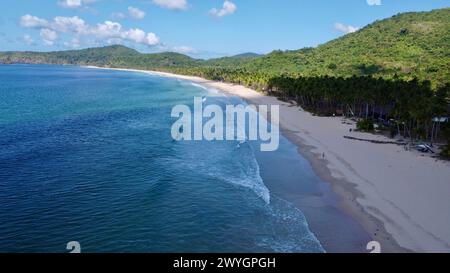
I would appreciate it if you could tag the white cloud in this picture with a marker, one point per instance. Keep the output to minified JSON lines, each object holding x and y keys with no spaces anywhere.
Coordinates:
{"x":345,"y":28}
{"x":374,"y":2}
{"x":152,"y":39}
{"x":75,"y":4}
{"x":28,"y":40}
{"x":113,"y":30}
{"x":78,"y":27}
{"x":171,"y":4}
{"x":140,"y":37}
{"x":48,"y":36}
{"x":133,"y":13}
{"x":136,"y":13}
{"x":32,"y":21}
{"x":70,"y":24}
{"x":70,"y":4}
{"x":227,"y":9}
{"x":107,"y":29}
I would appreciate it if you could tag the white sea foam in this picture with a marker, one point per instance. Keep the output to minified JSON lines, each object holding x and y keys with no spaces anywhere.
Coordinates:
{"x":296,"y":237}
{"x":253,"y":180}
{"x":198,"y":85}
{"x":251,"y":170}
{"x":211,"y":91}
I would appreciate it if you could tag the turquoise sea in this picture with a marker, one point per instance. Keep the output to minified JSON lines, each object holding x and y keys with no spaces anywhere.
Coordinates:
{"x":87,"y":155}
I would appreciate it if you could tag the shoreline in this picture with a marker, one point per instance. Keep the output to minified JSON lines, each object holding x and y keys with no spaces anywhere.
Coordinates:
{"x":379,"y":185}
{"x":347,"y":194}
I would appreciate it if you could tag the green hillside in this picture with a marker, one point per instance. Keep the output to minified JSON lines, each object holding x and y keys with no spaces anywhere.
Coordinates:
{"x":409,"y":45}
{"x":116,"y":55}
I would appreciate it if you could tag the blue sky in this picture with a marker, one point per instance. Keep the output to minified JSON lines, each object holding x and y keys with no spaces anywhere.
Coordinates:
{"x":200,"y":28}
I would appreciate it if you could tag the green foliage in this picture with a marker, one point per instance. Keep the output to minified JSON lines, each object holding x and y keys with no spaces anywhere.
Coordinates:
{"x":411,"y":104}
{"x":332,"y":66}
{"x":409,"y":45}
{"x":365,"y":125}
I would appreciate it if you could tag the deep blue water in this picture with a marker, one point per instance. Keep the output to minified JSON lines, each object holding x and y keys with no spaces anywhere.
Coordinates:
{"x":87,"y":155}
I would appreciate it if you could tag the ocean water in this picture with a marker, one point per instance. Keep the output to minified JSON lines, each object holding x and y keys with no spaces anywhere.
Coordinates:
{"x":86,"y":155}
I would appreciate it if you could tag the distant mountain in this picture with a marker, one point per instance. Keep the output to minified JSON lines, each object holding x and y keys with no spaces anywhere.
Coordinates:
{"x":115,"y":55}
{"x":246,"y":55}
{"x":99,"y":55}
{"x":408,"y":45}
{"x":232,"y":61}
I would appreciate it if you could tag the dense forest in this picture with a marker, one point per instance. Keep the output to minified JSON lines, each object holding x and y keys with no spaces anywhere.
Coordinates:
{"x":395,"y":72}
{"x":404,"y":107}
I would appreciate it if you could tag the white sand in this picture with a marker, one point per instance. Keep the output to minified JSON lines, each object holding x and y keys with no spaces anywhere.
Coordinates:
{"x":409,"y":193}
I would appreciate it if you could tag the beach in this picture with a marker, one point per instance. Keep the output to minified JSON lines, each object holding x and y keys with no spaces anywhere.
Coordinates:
{"x":400,"y":197}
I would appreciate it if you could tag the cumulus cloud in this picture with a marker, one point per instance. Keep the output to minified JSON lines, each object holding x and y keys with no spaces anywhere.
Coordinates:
{"x":228,"y":8}
{"x":374,"y":2}
{"x":74,"y":4}
{"x":171,"y":4}
{"x":48,"y":36}
{"x":32,"y":21}
{"x":28,"y":40}
{"x":70,"y":4}
{"x":139,"y":36}
{"x":113,"y":30}
{"x":70,"y":25}
{"x":345,"y":28}
{"x":78,"y":27}
{"x":133,"y":13}
{"x":136,"y":13}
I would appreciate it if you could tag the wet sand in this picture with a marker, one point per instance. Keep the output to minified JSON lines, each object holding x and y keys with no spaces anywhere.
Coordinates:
{"x":289,"y":176}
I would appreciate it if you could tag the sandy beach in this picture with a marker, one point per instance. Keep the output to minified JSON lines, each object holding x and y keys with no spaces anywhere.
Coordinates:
{"x":400,"y":197}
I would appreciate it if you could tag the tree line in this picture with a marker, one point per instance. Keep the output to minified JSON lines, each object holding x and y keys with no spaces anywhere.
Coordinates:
{"x":405,"y":107}
{"x":411,"y":107}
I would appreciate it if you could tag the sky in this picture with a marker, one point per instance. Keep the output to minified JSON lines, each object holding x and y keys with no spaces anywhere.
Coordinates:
{"x":199,"y":28}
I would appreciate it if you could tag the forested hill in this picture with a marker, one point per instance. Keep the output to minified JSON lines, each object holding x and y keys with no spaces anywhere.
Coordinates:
{"x":409,"y":45}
